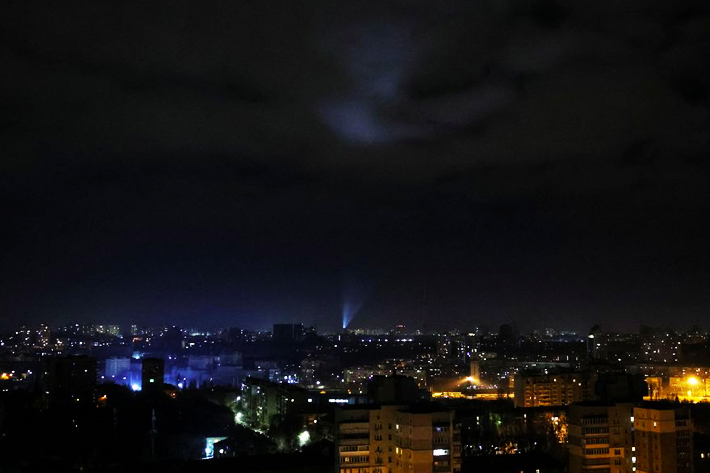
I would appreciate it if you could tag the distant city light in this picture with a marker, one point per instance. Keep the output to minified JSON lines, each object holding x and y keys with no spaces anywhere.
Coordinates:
{"x":135,"y":387}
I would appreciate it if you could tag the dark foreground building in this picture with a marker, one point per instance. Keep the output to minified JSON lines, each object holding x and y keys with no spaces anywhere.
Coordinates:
{"x":71,"y":380}
{"x":152,"y":374}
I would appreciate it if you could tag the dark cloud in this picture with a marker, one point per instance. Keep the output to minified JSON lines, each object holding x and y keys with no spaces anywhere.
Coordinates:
{"x":469,"y":161}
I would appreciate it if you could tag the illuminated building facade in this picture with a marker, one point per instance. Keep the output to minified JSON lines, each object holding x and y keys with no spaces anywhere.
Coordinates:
{"x":553,"y":389}
{"x":396,"y":439}
{"x":688,"y":388}
{"x":117,"y":367}
{"x":664,"y":439}
{"x":686,"y":384}
{"x":600,"y":438}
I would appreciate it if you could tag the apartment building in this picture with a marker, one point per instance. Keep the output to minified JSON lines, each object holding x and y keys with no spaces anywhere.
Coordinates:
{"x":619,"y":438}
{"x":396,"y":439}
{"x":553,"y":389}
{"x":265,"y":403}
{"x":664,"y":439}
{"x":601,"y":438}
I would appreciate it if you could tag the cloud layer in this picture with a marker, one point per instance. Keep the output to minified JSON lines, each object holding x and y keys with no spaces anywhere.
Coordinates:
{"x":506,"y":158}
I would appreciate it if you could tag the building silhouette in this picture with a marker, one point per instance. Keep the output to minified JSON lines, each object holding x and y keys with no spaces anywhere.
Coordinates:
{"x":152,"y":374}
{"x":71,"y":380}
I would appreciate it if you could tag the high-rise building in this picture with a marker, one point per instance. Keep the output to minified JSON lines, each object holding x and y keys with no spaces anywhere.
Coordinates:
{"x":288,"y":332}
{"x":664,"y":439}
{"x":600,"y":438}
{"x":396,"y":439}
{"x":117,"y":367}
{"x":152,"y":373}
{"x":619,"y":438}
{"x":426,"y":440}
{"x":393,"y":389}
{"x":266,"y":403}
{"x":363,"y":440}
{"x":508,"y":340}
{"x":597,"y":343}
{"x":444,"y":345}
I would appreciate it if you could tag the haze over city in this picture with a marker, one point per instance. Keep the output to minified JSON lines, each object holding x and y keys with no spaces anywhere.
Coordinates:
{"x":445,"y":166}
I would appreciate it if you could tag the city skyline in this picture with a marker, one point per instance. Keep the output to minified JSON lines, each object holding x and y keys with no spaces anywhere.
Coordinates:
{"x":402,"y":236}
{"x":123,"y":329}
{"x":356,"y":399}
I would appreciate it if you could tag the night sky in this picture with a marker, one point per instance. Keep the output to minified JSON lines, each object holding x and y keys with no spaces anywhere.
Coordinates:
{"x":443,"y":164}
